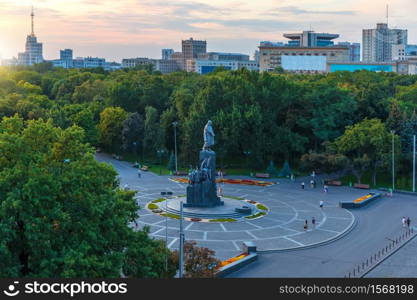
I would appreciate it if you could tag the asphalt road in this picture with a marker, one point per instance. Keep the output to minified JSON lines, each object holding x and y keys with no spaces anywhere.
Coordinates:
{"x":376,"y":222}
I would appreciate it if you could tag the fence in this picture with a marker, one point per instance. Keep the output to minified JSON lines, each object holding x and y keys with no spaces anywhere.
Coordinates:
{"x":363,"y":268}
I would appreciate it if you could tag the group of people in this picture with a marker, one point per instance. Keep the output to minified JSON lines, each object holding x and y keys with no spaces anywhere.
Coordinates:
{"x":406,"y":222}
{"x":313,"y":223}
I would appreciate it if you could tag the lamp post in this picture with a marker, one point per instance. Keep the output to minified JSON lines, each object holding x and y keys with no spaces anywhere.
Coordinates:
{"x":160,"y":153}
{"x":247,"y":153}
{"x":414,"y":163}
{"x":181,"y":260}
{"x":175,"y":124}
{"x":393,"y":161}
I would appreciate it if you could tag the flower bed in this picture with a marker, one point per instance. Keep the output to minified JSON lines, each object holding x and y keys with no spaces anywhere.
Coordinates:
{"x":231,"y":181}
{"x":359,"y":200}
{"x":232,"y":260}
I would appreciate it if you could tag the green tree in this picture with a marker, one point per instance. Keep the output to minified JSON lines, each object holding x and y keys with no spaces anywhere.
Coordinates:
{"x":110,"y":127}
{"x":132,"y":132}
{"x":367,"y":145}
{"x":61,"y":211}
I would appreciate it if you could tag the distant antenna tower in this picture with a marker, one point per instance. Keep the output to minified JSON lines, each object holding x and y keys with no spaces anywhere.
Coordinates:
{"x":387,"y":13}
{"x":32,"y":15}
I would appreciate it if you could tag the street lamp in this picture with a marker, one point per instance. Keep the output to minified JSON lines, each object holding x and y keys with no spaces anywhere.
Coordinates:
{"x":175,"y":124}
{"x":247,"y":153}
{"x":167,"y":195}
{"x":414,"y":163}
{"x":393,"y":161}
{"x":160,"y":153}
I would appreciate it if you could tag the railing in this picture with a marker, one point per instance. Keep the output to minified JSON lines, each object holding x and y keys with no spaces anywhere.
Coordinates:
{"x":363,"y":268}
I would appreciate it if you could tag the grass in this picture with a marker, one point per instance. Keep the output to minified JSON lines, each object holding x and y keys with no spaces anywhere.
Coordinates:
{"x":169,"y":215}
{"x":261,"y":207}
{"x":152,"y":206}
{"x":259,"y":214}
{"x":158,"y":200}
{"x":234,"y":197}
{"x":223,"y":220}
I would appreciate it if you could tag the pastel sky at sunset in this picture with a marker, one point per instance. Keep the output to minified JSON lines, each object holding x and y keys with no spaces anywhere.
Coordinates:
{"x":115,"y":29}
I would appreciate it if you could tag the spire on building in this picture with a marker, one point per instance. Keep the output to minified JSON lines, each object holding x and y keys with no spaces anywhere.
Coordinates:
{"x":32,"y":15}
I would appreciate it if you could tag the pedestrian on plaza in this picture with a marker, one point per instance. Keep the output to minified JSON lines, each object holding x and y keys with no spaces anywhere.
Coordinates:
{"x":126,"y":187}
{"x":312,"y":183}
{"x":325,"y":188}
{"x":292,"y":177}
{"x":313,"y":222}
{"x":302,"y":185}
{"x":321,"y":204}
{"x":313,"y":174}
{"x":139,"y":174}
{"x":408,"y":221}
{"x":404,"y":221}
{"x":305,"y":225}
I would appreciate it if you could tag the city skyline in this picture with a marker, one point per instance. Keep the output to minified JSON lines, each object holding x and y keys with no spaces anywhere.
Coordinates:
{"x":131,"y":28}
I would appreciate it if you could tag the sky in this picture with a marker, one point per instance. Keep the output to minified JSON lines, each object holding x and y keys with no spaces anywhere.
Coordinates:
{"x":116,"y":29}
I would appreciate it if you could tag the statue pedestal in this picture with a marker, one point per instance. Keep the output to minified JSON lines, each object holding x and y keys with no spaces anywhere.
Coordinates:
{"x":202,"y":190}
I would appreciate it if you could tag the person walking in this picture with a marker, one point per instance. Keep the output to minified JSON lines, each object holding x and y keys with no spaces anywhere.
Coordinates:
{"x":302,"y":185}
{"x":321,"y":204}
{"x":312,"y":183}
{"x":325,"y":188}
{"x":139,"y":174}
{"x":313,"y":222}
{"x":305,"y":225}
{"x":404,"y":221}
{"x":408,"y":221}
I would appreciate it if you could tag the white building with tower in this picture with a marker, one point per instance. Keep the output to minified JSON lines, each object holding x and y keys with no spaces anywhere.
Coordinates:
{"x":33,"y":50}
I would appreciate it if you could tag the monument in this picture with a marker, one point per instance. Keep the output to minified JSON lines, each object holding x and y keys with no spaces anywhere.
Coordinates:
{"x":202,"y":188}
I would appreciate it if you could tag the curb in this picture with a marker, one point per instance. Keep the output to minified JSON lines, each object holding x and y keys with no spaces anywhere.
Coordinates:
{"x":328,"y":241}
{"x":387,"y":256}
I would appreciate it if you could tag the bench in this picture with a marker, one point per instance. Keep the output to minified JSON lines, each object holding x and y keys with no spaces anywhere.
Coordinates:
{"x":361,"y":186}
{"x":333,"y":182}
{"x":262,"y":175}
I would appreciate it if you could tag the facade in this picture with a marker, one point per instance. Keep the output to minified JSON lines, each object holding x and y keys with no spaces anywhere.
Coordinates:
{"x":310,"y":39}
{"x":94,"y":62}
{"x":352,"y":67}
{"x":304,"y":64}
{"x":66,"y":57}
{"x":33,"y":50}
{"x":270,"y":57}
{"x":138,"y":61}
{"x":166,"y":66}
{"x":167,"y":53}
{"x":354,"y":50}
{"x":377,"y":43}
{"x":223,"y":56}
{"x":404,"y":52}
{"x":202,"y":66}
{"x":179,"y":58}
{"x":191,"y":49}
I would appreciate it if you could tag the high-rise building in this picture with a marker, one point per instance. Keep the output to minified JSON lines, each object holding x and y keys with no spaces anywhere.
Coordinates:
{"x":310,"y":39}
{"x":354,"y":50}
{"x":167,"y":53}
{"x":66,"y":56}
{"x":192,"y":48}
{"x":377,"y":43}
{"x":404,"y":52}
{"x":33,"y":50}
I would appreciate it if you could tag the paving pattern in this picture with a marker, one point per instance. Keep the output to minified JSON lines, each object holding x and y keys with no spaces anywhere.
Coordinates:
{"x":281,"y":229}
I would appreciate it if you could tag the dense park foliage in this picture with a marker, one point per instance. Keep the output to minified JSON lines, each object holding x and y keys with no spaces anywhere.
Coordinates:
{"x":326,"y":122}
{"x":62,"y":213}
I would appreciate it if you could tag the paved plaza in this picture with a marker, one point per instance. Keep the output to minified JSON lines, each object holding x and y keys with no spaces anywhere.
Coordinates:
{"x":342,"y":238}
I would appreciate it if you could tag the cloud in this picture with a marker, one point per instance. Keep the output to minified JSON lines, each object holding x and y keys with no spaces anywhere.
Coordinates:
{"x":294,"y":10}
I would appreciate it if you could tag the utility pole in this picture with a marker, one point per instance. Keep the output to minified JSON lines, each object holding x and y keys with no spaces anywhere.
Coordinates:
{"x":175,"y":142}
{"x":414,"y":163}
{"x":181,"y":271}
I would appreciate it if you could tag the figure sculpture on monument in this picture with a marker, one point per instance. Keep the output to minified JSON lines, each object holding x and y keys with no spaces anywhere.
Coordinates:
{"x":202,"y":189}
{"x":208,"y":136}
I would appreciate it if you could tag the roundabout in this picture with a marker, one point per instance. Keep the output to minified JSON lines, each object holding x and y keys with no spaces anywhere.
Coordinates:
{"x":233,"y":210}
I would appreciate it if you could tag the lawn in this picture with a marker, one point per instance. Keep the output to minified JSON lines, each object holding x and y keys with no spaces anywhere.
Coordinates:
{"x":383,"y":180}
